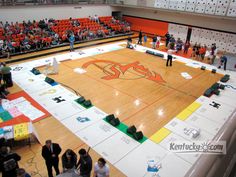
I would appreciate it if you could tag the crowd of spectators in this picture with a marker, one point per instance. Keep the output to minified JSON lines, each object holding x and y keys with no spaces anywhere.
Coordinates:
{"x":72,"y":164}
{"x":199,"y":52}
{"x":35,"y":35}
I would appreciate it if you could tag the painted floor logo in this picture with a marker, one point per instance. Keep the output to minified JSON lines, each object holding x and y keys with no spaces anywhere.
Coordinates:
{"x":211,"y":147}
{"x":135,"y":70}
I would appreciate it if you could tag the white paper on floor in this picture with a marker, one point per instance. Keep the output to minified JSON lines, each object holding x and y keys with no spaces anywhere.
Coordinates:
{"x":79,"y":70}
{"x":186,"y":75}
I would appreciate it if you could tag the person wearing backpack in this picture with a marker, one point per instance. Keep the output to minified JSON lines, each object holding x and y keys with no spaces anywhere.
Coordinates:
{"x":8,"y":162}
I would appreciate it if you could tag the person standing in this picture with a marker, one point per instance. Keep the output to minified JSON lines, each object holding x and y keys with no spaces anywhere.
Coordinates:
{"x":84,"y":164}
{"x":69,"y":160}
{"x":169,"y":57}
{"x":140,"y":36}
{"x":158,"y":42}
{"x":186,"y":47}
{"x":167,"y":36}
{"x":223,"y":60}
{"x":72,"y":41}
{"x":8,"y":162}
{"x":213,"y":52}
{"x":101,"y":169}
{"x":172,"y":42}
{"x":145,"y":39}
{"x":154,"y":40}
{"x":50,"y":152}
{"x":6,"y":75}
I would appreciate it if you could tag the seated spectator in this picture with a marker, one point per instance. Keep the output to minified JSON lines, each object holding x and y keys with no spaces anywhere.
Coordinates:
{"x":26,"y":43}
{"x":5,"y":50}
{"x":10,"y":47}
{"x":90,"y":35}
{"x":100,"y":33}
{"x":69,"y":160}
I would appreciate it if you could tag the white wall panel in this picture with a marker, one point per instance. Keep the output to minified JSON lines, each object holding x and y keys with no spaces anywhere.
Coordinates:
{"x":181,"y":5}
{"x":210,"y":6}
{"x":195,"y":35}
{"x":190,"y":5}
{"x":221,"y":7}
{"x":232,"y":9}
{"x":200,"y":6}
{"x":173,"y":4}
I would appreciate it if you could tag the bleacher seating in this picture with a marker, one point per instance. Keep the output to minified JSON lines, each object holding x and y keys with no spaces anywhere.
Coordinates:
{"x":27,"y":36}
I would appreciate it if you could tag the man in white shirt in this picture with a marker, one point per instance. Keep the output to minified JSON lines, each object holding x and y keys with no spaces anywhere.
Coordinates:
{"x":169,"y":57}
{"x":101,"y":169}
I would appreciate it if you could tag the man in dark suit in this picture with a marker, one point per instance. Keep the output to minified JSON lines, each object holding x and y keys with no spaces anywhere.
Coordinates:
{"x":50,"y":152}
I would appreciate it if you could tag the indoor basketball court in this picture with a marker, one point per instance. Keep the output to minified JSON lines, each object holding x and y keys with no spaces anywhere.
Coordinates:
{"x":123,"y":103}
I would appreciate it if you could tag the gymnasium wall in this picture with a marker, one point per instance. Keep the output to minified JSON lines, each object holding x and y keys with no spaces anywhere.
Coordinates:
{"x":13,"y":14}
{"x":212,"y":7}
{"x":148,"y":26}
{"x":215,"y":23}
{"x":224,"y":41}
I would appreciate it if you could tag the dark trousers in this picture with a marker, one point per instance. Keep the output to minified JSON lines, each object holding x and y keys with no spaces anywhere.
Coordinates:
{"x":169,"y":59}
{"x":87,"y":175}
{"x":185,"y":50}
{"x":7,"y":79}
{"x":225,"y":65}
{"x":53,"y":164}
{"x":140,"y":41}
{"x":167,"y":42}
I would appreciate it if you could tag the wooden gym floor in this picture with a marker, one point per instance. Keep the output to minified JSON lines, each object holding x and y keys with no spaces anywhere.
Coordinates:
{"x":132,"y":97}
